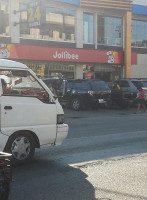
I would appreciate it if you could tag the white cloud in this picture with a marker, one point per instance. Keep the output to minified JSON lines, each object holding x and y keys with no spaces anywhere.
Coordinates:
{"x":140,"y":2}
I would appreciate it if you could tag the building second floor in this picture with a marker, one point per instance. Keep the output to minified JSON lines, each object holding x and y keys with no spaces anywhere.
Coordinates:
{"x":72,"y":24}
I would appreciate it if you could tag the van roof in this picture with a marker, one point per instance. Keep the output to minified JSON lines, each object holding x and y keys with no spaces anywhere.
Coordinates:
{"x":4,"y":63}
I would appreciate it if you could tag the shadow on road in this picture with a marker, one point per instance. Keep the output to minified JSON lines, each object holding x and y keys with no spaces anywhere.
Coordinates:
{"x":49,"y":180}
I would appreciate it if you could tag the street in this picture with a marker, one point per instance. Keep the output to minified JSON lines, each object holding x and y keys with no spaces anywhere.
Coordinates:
{"x":103,"y":158}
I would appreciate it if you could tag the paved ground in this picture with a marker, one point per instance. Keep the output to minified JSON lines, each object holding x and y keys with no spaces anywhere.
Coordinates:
{"x":103,"y":158}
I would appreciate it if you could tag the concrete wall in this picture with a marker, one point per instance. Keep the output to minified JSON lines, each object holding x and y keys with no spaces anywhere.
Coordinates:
{"x":140,"y":70}
{"x":14,"y":21}
{"x":79,"y":28}
{"x":79,"y":71}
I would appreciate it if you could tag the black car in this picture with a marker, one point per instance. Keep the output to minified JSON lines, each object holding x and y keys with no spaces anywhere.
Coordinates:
{"x":57,"y":84}
{"x":123,"y":92}
{"x":54,"y":84}
{"x":86,"y":93}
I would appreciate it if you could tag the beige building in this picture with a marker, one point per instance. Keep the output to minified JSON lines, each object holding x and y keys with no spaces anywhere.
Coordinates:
{"x":78,"y":38}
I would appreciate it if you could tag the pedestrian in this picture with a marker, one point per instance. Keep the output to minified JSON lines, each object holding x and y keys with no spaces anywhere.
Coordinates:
{"x":6,"y":90}
{"x":140,"y":100}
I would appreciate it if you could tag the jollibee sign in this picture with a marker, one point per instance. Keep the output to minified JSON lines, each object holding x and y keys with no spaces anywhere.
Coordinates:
{"x":26,"y":52}
{"x":65,"y":55}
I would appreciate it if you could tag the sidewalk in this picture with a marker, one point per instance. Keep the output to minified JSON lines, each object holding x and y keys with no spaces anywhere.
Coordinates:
{"x":119,"y":178}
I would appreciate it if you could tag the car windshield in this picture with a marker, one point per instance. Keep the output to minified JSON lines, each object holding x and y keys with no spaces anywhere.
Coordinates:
{"x":137,"y":83}
{"x":82,"y":85}
{"x":123,"y":83}
{"x":144,"y":84}
{"x":99,"y":85}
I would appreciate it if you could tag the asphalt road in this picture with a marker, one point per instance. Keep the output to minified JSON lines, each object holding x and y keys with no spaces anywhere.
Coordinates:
{"x":103,"y":158}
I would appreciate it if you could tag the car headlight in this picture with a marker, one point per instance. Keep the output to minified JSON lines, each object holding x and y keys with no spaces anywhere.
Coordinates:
{"x":60,"y":119}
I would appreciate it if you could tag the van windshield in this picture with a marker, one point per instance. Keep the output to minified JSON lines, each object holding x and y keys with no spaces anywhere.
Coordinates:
{"x":21,"y":82}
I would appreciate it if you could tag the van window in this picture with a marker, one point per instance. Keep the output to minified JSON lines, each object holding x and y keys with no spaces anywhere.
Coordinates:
{"x":22,"y":83}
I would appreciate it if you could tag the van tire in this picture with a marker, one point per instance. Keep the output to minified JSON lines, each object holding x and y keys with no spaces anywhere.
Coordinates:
{"x":76,"y":104}
{"x":22,"y":147}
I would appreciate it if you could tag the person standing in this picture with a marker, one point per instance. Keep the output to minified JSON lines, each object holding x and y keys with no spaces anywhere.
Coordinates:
{"x":141,"y":100}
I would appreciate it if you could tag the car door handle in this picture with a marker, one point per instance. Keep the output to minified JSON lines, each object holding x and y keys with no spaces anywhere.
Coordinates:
{"x":8,"y":107}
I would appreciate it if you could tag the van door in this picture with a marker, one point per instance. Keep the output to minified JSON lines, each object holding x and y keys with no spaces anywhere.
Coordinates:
{"x":25,"y":105}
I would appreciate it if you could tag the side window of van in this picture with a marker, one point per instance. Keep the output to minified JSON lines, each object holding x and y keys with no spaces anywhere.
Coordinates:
{"x":22,"y":83}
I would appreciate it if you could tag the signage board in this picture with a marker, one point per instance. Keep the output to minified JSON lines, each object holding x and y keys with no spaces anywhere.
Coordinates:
{"x":73,"y":2}
{"x":28,"y":52}
{"x":35,"y":14}
{"x":37,"y":68}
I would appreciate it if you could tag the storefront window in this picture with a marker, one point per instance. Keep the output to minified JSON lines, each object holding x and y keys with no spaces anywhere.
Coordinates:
{"x":88,"y":20}
{"x":109,"y":31}
{"x":107,"y":72}
{"x":139,"y":33}
{"x":58,"y":25}
{"x":4,"y":18}
{"x":67,"y":70}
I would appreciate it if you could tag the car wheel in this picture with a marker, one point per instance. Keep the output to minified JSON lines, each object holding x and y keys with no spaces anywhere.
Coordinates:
{"x":76,"y":104}
{"x":22,"y":147}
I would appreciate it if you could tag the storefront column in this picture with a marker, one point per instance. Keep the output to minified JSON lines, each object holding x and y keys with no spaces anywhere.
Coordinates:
{"x":128,"y":20}
{"x":14,"y":21}
{"x":79,"y":28}
{"x":79,"y":71}
{"x":95,"y":30}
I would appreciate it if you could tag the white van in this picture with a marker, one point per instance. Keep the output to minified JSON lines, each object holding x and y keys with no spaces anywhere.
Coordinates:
{"x":30,"y":116}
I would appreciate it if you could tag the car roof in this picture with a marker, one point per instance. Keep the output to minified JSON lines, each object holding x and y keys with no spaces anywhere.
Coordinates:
{"x":131,"y":79}
{"x":5,"y":63}
{"x":83,"y":80}
{"x":48,"y":79}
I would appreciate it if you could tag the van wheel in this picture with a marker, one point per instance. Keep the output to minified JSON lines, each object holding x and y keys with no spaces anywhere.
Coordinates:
{"x":22,"y":147}
{"x":76,"y":104}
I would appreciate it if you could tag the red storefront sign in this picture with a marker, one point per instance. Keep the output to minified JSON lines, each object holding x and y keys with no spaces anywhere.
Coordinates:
{"x":26,"y":52}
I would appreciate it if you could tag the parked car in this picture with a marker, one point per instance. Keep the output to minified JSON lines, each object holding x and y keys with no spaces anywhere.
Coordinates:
{"x":54,"y":84}
{"x":86,"y":93}
{"x":57,"y":84}
{"x":123,"y":92}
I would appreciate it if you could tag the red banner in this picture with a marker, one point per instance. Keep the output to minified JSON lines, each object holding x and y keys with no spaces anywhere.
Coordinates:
{"x":26,"y":52}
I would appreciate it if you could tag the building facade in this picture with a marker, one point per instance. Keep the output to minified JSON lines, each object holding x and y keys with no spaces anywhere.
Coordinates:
{"x":78,"y":38}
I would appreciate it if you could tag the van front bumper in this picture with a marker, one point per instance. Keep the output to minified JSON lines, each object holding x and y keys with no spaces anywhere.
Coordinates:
{"x":3,"y":141}
{"x":62,"y":132}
